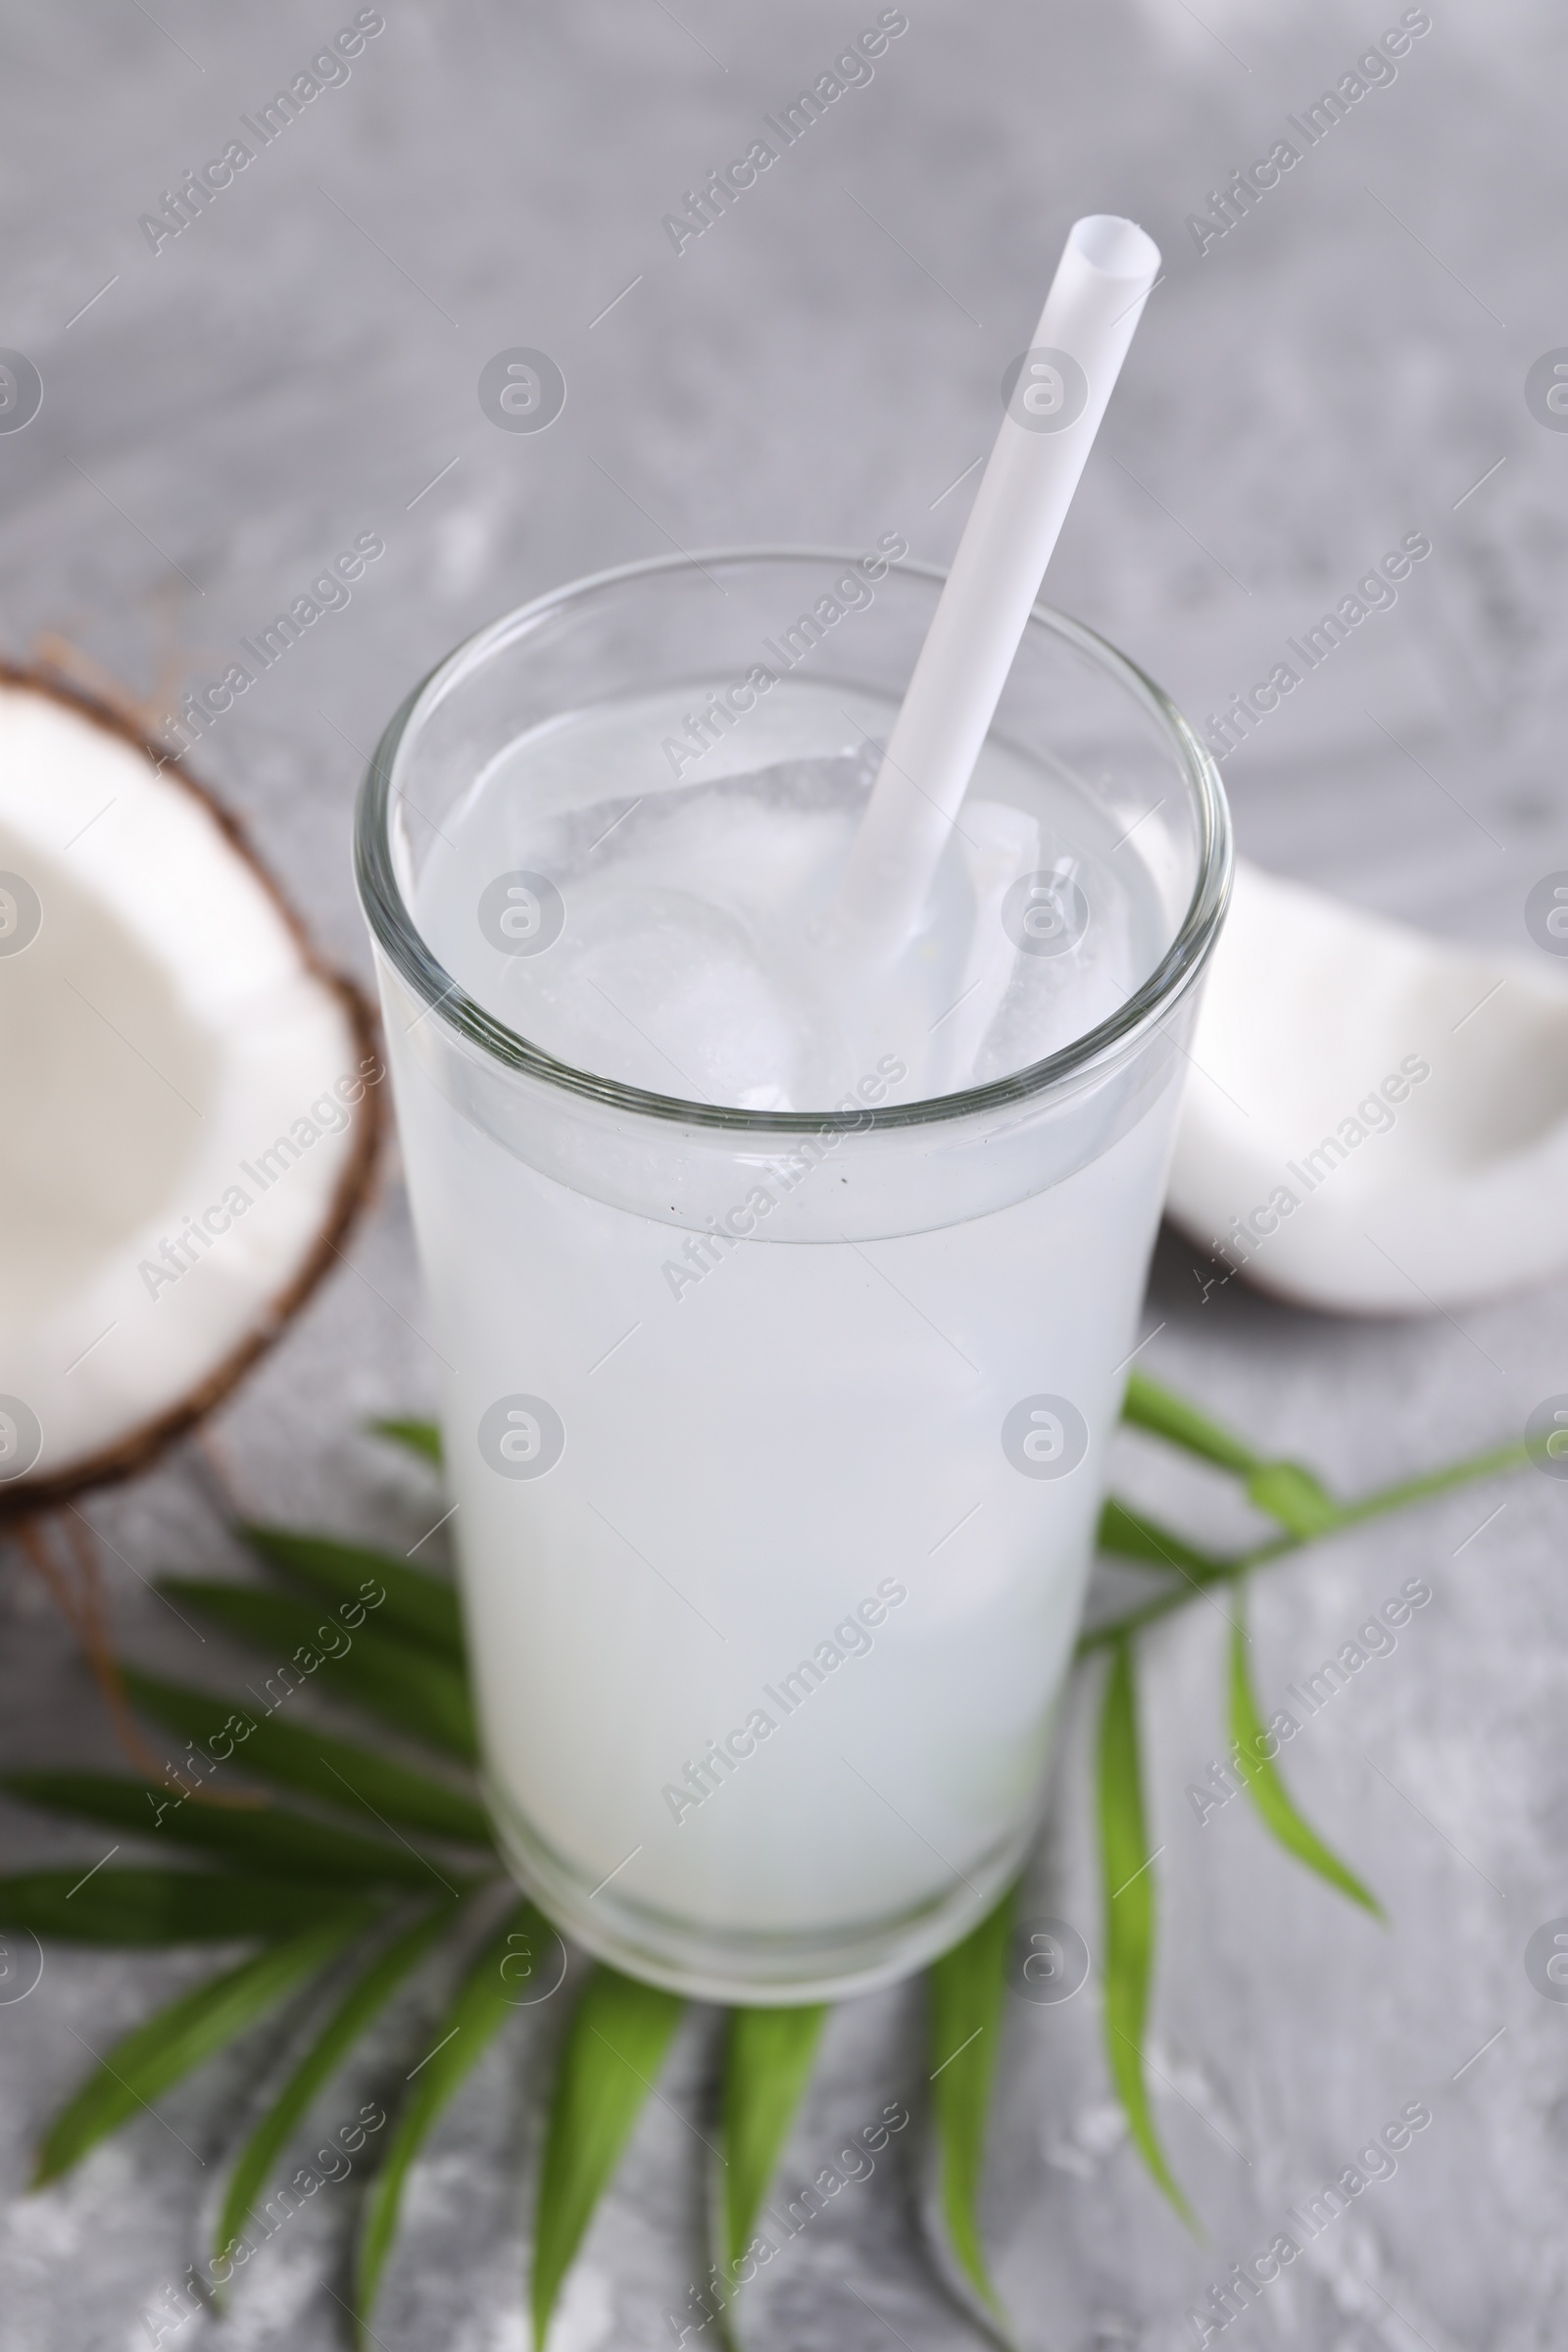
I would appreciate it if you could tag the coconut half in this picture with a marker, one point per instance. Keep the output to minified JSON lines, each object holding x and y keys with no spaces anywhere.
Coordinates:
{"x":1376,"y":1120}
{"x":192,"y":1098}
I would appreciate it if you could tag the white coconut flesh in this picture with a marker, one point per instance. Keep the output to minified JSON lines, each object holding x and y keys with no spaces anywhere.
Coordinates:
{"x":185,"y":1105}
{"x":1376,"y":1120}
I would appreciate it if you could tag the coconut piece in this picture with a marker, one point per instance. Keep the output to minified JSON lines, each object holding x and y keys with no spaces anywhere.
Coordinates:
{"x":1376,"y":1120}
{"x":192,"y":1098}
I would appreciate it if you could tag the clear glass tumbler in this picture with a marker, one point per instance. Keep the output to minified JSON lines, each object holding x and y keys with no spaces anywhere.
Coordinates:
{"x":772,"y":1566}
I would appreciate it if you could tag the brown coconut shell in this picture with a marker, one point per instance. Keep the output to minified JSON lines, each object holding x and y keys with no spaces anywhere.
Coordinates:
{"x":142,"y":1445}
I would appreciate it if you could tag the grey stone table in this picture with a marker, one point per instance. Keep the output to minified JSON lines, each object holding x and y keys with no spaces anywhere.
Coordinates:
{"x":1339,"y":363}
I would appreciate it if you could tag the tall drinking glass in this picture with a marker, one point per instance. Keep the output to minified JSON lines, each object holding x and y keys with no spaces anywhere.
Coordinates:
{"x":777,"y":1439}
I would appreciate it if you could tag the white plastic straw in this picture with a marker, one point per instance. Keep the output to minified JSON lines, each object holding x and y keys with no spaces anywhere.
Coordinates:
{"x":1096,"y":300}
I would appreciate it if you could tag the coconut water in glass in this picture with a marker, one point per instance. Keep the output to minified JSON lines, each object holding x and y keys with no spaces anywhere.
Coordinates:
{"x":787,"y":1309}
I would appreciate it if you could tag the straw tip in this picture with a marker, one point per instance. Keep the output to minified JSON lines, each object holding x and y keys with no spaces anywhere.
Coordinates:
{"x":1116,"y":247}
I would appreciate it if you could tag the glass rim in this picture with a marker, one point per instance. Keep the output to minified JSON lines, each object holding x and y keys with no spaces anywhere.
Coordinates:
{"x":396,"y":933}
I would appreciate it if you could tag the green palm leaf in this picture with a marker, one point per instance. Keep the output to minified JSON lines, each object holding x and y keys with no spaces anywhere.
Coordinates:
{"x":1287,"y":1491}
{"x":419,"y":1606}
{"x":286,"y":1844}
{"x":968,"y":1985}
{"x":477,"y":2012}
{"x":156,"y":2055}
{"x":405,"y":1662}
{"x":1133,"y":1536}
{"x":1296,"y":1496}
{"x":352,"y":2017}
{"x":356,"y":1779}
{"x":1269,"y":1793}
{"x":614,"y":2046}
{"x":1164,"y":1414}
{"x":1129,"y":1912}
{"x":417,"y":1693}
{"x":423,"y":1438}
{"x":156,"y":1907}
{"x":767,"y":2064}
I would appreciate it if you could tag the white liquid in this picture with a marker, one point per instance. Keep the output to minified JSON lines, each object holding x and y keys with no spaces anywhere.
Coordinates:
{"x":757,"y":1448}
{"x":692,"y":959}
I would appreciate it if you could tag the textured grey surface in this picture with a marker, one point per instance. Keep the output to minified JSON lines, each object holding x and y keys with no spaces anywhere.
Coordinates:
{"x":1338,"y":368}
